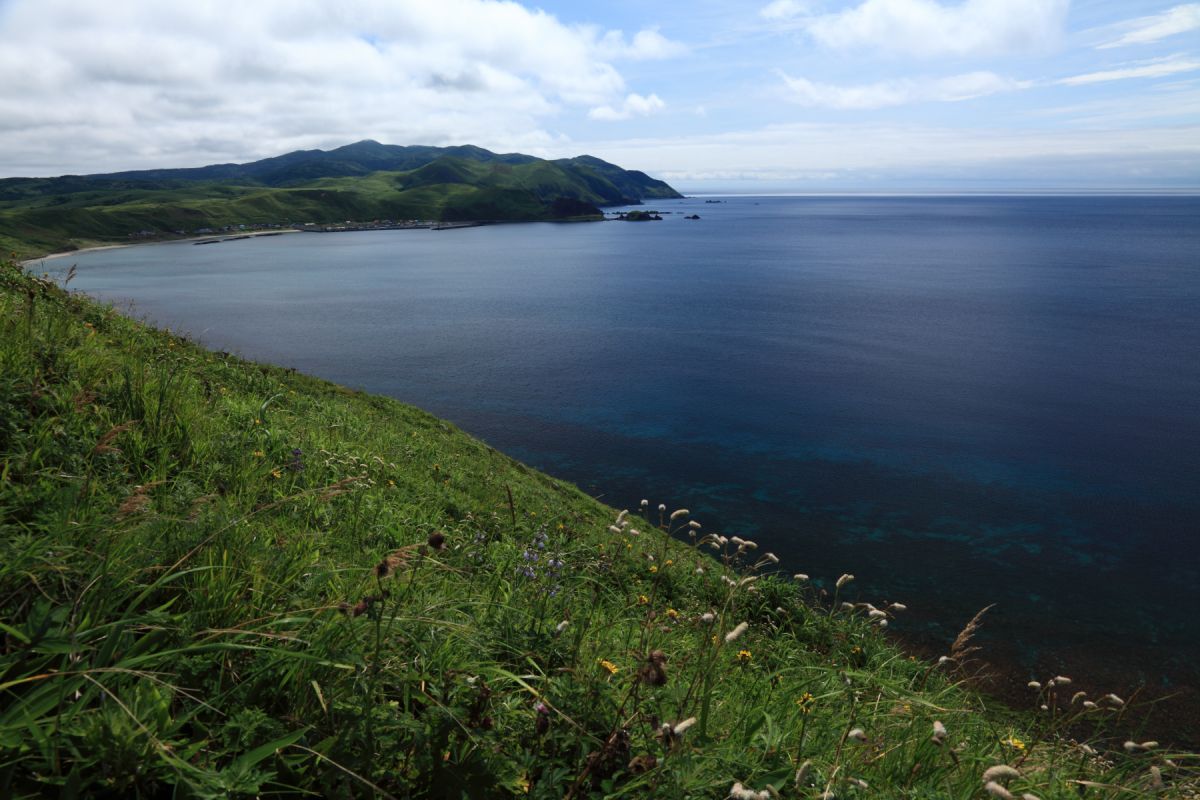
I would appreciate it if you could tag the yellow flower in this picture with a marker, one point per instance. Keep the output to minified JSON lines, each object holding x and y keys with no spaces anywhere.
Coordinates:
{"x":653,"y":568}
{"x":1014,"y":743}
{"x":608,"y":665}
{"x":672,"y":613}
{"x":668,"y":563}
{"x":259,"y":453}
{"x":744,"y":656}
{"x":806,"y":702}
{"x":258,"y":422}
{"x":276,"y":474}
{"x":561,"y":526}
{"x":643,"y":600}
{"x":714,"y":638}
{"x":391,"y":482}
{"x":629,"y":545}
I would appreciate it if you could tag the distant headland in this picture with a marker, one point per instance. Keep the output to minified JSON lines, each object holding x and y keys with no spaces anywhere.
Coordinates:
{"x":364,"y":184}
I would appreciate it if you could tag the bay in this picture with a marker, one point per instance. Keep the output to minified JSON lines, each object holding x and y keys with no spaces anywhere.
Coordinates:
{"x":961,"y":400}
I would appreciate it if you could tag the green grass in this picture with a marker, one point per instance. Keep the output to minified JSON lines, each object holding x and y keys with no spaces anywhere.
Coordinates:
{"x":225,"y":579}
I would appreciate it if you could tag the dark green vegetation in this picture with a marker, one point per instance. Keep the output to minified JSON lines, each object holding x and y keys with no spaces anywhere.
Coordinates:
{"x":224,"y":579}
{"x":362,"y":182}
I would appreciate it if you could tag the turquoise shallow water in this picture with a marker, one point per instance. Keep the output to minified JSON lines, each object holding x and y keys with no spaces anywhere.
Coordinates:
{"x":962,"y":400}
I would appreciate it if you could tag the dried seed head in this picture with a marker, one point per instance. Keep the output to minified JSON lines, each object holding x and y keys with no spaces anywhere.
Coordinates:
{"x":842,"y":581}
{"x":681,"y":512}
{"x":1089,"y":705}
{"x":613,"y":529}
{"x":800,"y":576}
{"x":802,"y":773}
{"x":622,"y":515}
{"x":680,"y":727}
{"x":1000,"y":772}
{"x":1112,"y":698}
{"x":1062,"y":680}
{"x":939,"y":732}
{"x":1078,"y":697}
{"x":942,"y":661}
{"x":1035,"y":685}
{"x":857,"y":735}
{"x":694,"y":525}
{"x":875,"y":613}
{"x":436,"y":540}
{"x":562,"y":626}
{"x":1156,"y":780}
{"x":736,"y":632}
{"x":996,"y":790}
{"x":707,"y":617}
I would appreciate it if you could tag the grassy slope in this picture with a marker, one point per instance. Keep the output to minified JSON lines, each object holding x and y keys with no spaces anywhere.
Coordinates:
{"x":191,"y":602}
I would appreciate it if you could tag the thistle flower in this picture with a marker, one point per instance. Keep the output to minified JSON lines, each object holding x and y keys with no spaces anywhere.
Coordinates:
{"x":741,"y":628}
{"x":857,"y":735}
{"x":842,"y":581}
{"x":996,"y":790}
{"x":1000,"y":772}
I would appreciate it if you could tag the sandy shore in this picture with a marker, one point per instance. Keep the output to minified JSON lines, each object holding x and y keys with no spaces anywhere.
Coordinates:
{"x":221,"y":237}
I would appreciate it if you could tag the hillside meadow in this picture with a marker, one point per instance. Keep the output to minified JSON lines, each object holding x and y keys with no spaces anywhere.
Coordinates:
{"x":226,"y":579}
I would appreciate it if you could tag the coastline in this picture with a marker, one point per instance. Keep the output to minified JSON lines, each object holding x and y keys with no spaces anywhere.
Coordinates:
{"x":222,"y":238}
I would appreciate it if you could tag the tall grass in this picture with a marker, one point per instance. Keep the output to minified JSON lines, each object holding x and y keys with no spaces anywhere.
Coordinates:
{"x":222,"y":579}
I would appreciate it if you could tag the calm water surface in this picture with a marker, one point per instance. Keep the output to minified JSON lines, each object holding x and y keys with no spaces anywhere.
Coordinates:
{"x":963,"y":401}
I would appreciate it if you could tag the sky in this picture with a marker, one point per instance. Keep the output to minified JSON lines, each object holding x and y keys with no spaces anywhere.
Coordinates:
{"x":767,"y":95}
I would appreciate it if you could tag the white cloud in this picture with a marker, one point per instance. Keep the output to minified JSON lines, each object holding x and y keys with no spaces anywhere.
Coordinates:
{"x":1157,"y":68}
{"x":1144,"y":30}
{"x":87,"y":87}
{"x":784,"y":9}
{"x":635,"y":105}
{"x":928,"y":28}
{"x":898,"y":92}
{"x":646,"y":45}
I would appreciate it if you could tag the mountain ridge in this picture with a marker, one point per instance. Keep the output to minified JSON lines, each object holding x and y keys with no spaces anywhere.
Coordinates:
{"x":361,"y":181}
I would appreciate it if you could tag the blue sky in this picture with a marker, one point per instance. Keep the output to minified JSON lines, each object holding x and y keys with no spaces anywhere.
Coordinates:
{"x":773,"y":95}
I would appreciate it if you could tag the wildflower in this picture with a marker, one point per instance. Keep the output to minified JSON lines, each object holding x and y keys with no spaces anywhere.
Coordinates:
{"x":608,"y":666}
{"x":945,"y":660}
{"x":680,"y":727}
{"x":668,"y":562}
{"x":694,"y":525}
{"x":897,"y":607}
{"x":1037,"y":687}
{"x":1014,"y":743}
{"x":276,"y":474}
{"x":562,"y":626}
{"x":939,"y":733}
{"x":736,"y":632}
{"x":662,"y":508}
{"x":1112,"y":698}
{"x":643,"y":600}
{"x":391,"y":482}
{"x":672,"y":614}
{"x":297,"y":462}
{"x":800,"y":576}
{"x":259,"y":454}
{"x":857,"y":735}
{"x":1000,"y":772}
{"x":1062,"y":681}
{"x":842,"y":581}
{"x":653,"y":568}
{"x":806,"y":702}
{"x":645,"y":503}
{"x":682,"y":512}
{"x":744,"y":656}
{"x":258,"y":422}
{"x":998,"y":791}
{"x":707,"y":617}
{"x":622,"y":515}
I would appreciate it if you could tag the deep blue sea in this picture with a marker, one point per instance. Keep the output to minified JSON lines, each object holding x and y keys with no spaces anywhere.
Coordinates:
{"x":961,"y":400}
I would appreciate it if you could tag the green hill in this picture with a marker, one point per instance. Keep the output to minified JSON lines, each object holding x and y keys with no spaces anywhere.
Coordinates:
{"x":222,"y":579}
{"x":364,"y":182}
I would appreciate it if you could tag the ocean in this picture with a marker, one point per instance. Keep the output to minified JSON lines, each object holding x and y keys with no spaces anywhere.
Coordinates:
{"x":963,"y":401}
